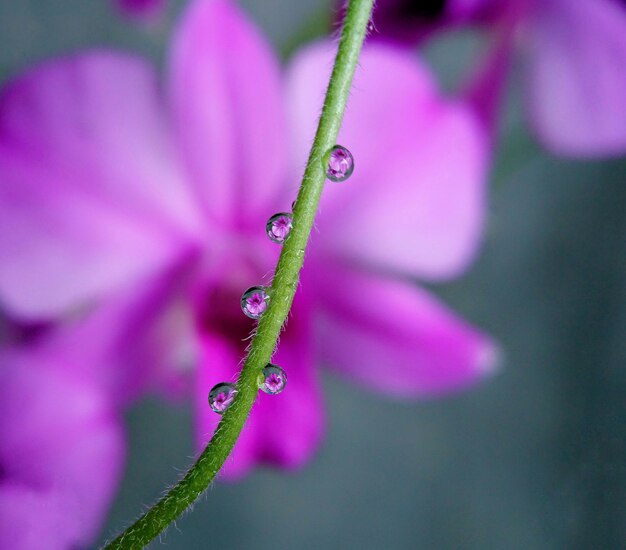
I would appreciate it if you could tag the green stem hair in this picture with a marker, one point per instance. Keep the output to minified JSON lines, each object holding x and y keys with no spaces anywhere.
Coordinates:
{"x":281,"y":293}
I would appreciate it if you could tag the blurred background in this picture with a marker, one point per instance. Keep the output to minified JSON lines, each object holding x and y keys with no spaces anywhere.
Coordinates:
{"x":534,"y":458}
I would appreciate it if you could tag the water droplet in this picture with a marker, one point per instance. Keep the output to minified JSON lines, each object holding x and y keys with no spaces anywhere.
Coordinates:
{"x":254,"y":301}
{"x":272,"y":379}
{"x":339,"y":164}
{"x":221,"y":397}
{"x":279,"y":226}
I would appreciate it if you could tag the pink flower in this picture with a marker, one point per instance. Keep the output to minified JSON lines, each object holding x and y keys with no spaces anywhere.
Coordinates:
{"x":573,"y":53}
{"x":61,"y":452}
{"x":144,"y":214}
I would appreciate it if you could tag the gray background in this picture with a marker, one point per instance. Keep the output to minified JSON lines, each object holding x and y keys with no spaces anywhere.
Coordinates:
{"x":533,"y":459}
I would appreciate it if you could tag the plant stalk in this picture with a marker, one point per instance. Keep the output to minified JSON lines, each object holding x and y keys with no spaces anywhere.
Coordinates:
{"x":281,"y":294}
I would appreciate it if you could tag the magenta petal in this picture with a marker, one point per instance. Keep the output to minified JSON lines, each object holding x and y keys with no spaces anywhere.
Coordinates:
{"x":577,"y":82}
{"x":409,"y":21}
{"x":139,"y":340}
{"x":416,"y":200}
{"x":61,"y":452}
{"x":226,"y":103}
{"x":143,"y":9}
{"x":487,"y":87}
{"x":282,"y":430}
{"x":90,"y":197}
{"x":34,"y":520}
{"x":395,"y":337}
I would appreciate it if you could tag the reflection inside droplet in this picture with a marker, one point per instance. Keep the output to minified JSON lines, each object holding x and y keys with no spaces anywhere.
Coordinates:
{"x":221,"y":397}
{"x":272,"y":379}
{"x":339,"y":164}
{"x":254,"y":301}
{"x":279,"y":226}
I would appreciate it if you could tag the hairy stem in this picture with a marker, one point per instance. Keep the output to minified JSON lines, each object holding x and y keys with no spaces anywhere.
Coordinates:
{"x":284,"y":285}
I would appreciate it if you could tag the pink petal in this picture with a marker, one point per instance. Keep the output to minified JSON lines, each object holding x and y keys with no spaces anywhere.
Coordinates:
{"x":415,"y":202}
{"x":90,"y":197}
{"x":142,"y":9}
{"x":61,"y":451}
{"x":282,"y":430}
{"x":577,"y":83}
{"x":139,"y":340}
{"x":487,"y":87}
{"x":34,"y":520}
{"x":395,"y":337}
{"x":226,"y":104}
{"x":409,"y":21}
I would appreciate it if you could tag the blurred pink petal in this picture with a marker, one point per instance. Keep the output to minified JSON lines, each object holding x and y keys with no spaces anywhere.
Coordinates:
{"x":395,"y":337}
{"x":61,"y":451}
{"x":34,"y":520}
{"x":138,"y":340}
{"x":487,"y":86}
{"x":91,"y":197}
{"x":407,"y":21}
{"x":226,"y":103}
{"x":574,"y":52}
{"x":577,"y":78}
{"x":142,"y":9}
{"x":416,"y":200}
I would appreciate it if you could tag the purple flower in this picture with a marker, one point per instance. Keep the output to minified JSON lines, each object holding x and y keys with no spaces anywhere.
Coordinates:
{"x":61,"y":452}
{"x":146,"y":213}
{"x":573,"y":54}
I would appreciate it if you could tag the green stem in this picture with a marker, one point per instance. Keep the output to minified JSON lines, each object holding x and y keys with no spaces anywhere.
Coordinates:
{"x":281,"y":294}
